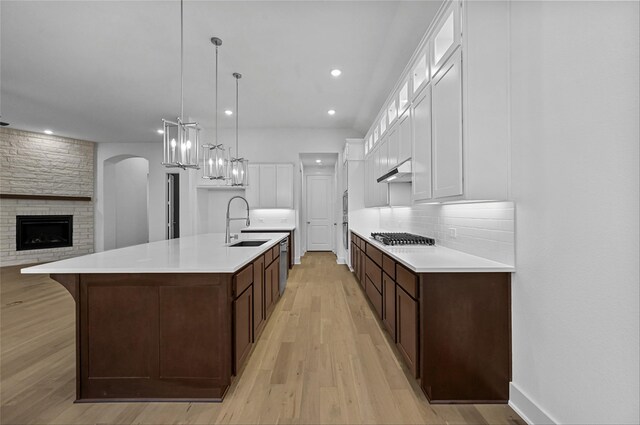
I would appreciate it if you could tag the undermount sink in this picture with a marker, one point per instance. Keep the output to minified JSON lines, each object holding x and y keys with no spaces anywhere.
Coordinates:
{"x":249,"y":243}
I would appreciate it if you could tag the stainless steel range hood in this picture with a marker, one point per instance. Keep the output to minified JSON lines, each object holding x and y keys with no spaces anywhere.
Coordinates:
{"x":398,"y":174}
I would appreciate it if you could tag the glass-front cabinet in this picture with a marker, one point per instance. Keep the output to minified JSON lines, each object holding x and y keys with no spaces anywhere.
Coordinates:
{"x":403,"y":98}
{"x":446,"y":37}
{"x":420,"y":74}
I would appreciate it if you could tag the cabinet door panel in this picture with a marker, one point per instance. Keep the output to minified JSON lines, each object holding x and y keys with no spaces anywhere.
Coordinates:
{"x":258,"y":296}
{"x":394,"y":146}
{"x":407,"y":329}
{"x":252,"y":192}
{"x":284,"y":188}
{"x":243,"y":327}
{"x":389,"y":304}
{"x":405,"y":138}
{"x":268,"y":294}
{"x":447,"y":129}
{"x":268,"y":182}
{"x":421,"y":161}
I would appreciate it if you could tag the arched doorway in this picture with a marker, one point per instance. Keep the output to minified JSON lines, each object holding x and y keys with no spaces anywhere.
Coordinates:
{"x":126,"y":195}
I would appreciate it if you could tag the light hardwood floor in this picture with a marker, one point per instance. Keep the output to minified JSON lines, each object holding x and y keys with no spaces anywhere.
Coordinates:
{"x":322,"y":358}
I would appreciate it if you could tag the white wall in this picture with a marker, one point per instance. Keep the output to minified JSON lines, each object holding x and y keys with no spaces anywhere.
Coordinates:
{"x":131,"y":182}
{"x":104,"y":208}
{"x":574,"y":83}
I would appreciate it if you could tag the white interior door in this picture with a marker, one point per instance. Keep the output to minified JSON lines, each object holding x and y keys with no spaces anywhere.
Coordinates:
{"x":319,"y":217}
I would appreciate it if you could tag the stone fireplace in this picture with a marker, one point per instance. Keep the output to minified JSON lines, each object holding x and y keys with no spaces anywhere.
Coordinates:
{"x":46,"y":197}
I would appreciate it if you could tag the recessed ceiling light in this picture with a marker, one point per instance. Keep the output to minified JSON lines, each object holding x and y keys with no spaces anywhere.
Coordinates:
{"x":331,"y":112}
{"x":318,"y":161}
{"x":336,"y":72}
{"x":160,"y":131}
{"x":228,"y":112}
{"x":48,"y":132}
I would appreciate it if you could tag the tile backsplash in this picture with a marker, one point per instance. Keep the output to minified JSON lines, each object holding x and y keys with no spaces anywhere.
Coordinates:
{"x":483,"y":229}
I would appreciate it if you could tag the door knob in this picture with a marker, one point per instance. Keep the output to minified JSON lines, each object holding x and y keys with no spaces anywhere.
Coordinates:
{"x":308,"y":222}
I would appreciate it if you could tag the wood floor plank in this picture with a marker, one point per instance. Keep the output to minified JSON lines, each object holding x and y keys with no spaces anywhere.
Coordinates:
{"x":322,"y":358}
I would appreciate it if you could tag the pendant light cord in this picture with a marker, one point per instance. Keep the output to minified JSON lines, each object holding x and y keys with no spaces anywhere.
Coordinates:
{"x":215,"y":142}
{"x":237,"y":117}
{"x":181,"y":62}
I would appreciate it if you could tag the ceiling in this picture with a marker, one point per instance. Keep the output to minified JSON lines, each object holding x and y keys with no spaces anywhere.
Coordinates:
{"x":326,"y":159}
{"x":108,"y":71}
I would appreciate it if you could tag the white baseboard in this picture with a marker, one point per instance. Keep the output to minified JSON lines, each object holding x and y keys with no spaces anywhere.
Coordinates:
{"x":340,"y":260}
{"x":528,"y":410}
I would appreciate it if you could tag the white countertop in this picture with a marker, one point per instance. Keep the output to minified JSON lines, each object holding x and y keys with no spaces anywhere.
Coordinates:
{"x":191,"y":254}
{"x":435,"y":259}
{"x":270,"y":227}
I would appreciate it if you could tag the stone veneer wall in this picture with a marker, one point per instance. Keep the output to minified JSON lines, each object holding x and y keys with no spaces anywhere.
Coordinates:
{"x":38,"y":164}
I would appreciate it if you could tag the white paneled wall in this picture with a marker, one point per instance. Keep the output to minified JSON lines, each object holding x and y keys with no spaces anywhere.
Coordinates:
{"x":482,"y":229}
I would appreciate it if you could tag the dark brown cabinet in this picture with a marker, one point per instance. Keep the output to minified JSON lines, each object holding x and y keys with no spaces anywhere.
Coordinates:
{"x":272,"y":289}
{"x":389,"y":304}
{"x":407,"y":328}
{"x":243,"y":327}
{"x":466,"y":337}
{"x":259,"y":314}
{"x":453,"y":330}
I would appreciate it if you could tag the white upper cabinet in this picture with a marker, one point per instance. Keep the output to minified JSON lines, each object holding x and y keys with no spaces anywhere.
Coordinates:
{"x":252,"y":192}
{"x":405,"y":138}
{"x":447,"y":129}
{"x":403,"y":98}
{"x":270,"y":186}
{"x":267,"y":186}
{"x":393,"y":142}
{"x":392,"y":112}
{"x":446,"y":37}
{"x":284,"y":185}
{"x":452,"y":109}
{"x":421,"y":159}
{"x":420,"y":73}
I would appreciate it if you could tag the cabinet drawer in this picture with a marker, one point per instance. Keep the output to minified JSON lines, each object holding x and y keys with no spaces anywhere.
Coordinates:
{"x":389,"y":266}
{"x":374,"y":296}
{"x":242,"y":280}
{"x":268,"y":257}
{"x":275,"y":251}
{"x":374,"y":253}
{"x":407,"y":280}
{"x":374,"y":273}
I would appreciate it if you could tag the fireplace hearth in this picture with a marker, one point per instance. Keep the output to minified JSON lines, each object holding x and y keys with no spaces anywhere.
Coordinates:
{"x":43,"y":231}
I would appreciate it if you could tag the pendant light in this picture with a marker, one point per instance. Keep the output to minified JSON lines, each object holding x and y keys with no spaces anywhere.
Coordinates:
{"x":215,"y":164}
{"x":181,"y":138}
{"x":239,"y":166}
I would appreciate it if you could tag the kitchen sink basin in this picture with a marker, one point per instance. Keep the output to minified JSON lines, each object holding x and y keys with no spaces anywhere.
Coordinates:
{"x":248,"y":243}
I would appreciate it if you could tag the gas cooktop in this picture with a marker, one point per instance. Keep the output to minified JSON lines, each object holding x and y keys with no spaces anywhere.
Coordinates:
{"x":402,"y":239}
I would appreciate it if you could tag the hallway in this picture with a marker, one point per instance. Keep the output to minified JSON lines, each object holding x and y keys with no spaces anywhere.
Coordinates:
{"x":322,"y":358}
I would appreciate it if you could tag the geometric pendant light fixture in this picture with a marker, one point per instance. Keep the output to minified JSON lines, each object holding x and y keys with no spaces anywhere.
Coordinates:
{"x":239,"y":167}
{"x":181,"y":144}
{"x":215,"y":164}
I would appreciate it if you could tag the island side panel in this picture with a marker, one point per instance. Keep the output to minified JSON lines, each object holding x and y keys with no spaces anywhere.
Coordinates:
{"x":71,"y":282}
{"x":155,"y":336}
{"x":465,"y":337}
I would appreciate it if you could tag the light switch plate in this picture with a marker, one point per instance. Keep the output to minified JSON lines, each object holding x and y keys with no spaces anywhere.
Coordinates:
{"x":452,"y":232}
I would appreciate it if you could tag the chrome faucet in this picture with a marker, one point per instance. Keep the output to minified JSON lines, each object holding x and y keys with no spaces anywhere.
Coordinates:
{"x":227,"y":236}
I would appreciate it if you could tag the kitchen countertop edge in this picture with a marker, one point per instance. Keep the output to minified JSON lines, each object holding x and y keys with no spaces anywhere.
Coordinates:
{"x":246,"y":255}
{"x":484,"y":265}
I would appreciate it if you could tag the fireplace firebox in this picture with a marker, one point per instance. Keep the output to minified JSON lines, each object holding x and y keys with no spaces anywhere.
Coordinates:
{"x":43,"y":231}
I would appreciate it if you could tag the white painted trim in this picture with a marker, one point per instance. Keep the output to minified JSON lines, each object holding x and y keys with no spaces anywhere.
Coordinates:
{"x":340,"y":260}
{"x":528,"y":410}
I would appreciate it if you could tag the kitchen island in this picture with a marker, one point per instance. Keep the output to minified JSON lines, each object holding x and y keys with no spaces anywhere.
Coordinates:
{"x":168,"y":320}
